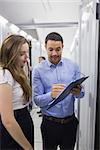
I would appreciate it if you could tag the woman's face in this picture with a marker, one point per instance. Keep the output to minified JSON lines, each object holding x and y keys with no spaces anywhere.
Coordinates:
{"x":24,"y":54}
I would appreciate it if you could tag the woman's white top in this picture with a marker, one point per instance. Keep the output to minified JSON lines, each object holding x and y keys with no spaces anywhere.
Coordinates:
{"x":17,"y":92}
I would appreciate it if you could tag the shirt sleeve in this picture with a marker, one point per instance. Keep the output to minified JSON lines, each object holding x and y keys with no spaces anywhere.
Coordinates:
{"x":41,"y":99}
{"x":6,"y":77}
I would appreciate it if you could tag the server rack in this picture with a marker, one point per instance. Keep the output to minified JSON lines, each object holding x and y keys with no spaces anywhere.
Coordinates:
{"x":97,"y":129}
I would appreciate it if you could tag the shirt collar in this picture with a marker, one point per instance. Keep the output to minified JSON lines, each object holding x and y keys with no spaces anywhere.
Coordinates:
{"x":53,"y":65}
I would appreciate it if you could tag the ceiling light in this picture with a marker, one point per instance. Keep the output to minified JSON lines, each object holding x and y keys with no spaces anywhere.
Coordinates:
{"x":14,"y":28}
{"x":3,"y":20}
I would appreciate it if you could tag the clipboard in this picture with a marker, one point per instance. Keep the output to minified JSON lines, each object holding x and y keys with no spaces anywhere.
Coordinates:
{"x":66,"y":91}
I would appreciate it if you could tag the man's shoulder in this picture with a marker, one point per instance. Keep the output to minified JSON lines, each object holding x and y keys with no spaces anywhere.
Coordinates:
{"x":41,"y":65}
{"x":67,"y":60}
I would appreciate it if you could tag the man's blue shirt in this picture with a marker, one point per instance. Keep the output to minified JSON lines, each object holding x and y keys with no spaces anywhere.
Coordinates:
{"x":44,"y":76}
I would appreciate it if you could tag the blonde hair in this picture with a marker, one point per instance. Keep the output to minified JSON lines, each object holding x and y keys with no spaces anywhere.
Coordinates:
{"x":9,"y":53}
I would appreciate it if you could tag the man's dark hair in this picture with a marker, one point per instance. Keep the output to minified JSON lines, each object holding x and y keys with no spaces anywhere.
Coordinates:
{"x":53,"y":36}
{"x":42,"y":57}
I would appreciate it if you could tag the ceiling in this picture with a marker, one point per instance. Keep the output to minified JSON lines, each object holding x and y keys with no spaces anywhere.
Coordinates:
{"x":39,"y":17}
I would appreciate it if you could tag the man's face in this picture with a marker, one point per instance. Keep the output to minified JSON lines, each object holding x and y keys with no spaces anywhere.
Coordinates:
{"x":54,"y":51}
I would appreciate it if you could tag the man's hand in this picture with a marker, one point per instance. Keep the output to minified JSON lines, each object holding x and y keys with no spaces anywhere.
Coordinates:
{"x":57,"y":89}
{"x":76,"y":90}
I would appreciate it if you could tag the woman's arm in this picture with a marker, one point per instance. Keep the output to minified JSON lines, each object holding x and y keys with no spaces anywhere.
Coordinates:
{"x":8,"y":119}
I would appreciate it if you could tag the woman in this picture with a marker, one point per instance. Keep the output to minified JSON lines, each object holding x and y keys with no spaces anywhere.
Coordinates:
{"x":17,"y":130}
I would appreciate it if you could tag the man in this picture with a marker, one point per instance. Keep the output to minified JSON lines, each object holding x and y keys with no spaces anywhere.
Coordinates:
{"x":59,"y":124}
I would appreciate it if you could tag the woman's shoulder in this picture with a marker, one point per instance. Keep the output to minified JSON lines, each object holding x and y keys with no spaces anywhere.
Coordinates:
{"x":5,"y":72}
{"x":6,"y":76}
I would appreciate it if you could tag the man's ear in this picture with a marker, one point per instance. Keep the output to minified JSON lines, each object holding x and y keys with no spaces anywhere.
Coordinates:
{"x":62,"y":45}
{"x":45,"y":46}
